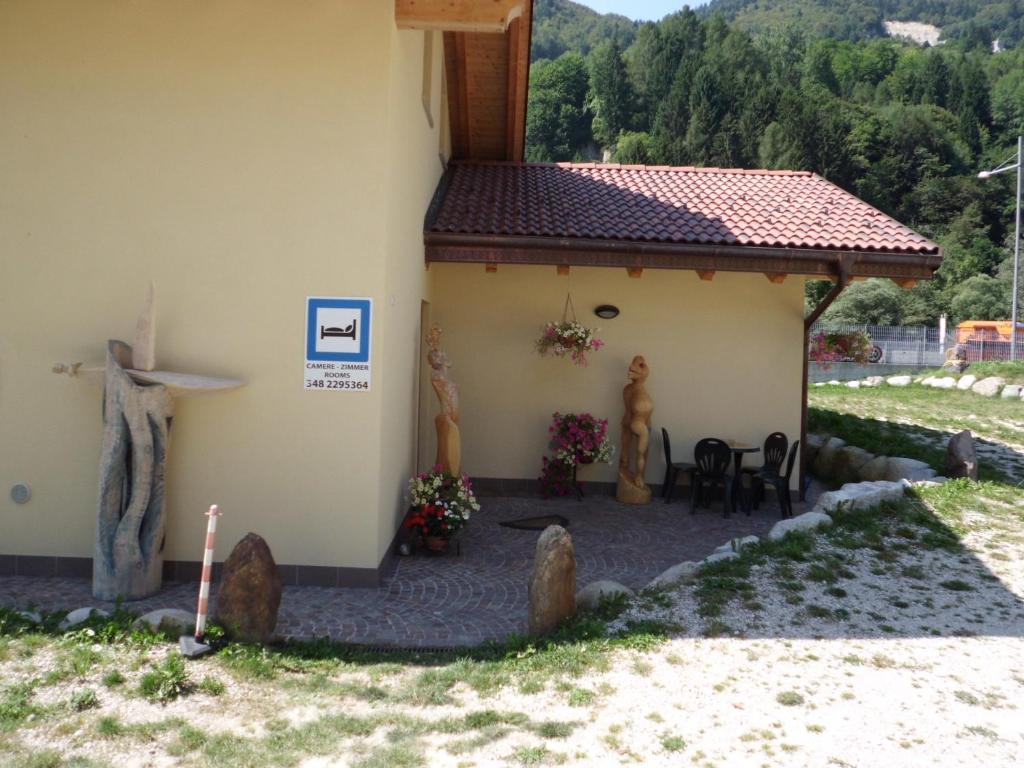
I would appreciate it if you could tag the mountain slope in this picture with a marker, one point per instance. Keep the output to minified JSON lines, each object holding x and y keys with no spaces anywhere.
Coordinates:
{"x":560,"y":26}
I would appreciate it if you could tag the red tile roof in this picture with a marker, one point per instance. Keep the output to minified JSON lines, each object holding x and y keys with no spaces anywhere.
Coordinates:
{"x":661,"y":204}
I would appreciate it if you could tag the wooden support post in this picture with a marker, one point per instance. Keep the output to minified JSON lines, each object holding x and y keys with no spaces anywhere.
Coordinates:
{"x":635,"y":271}
{"x":706,"y":274}
{"x":491,"y":268}
{"x":776,"y":278}
{"x":563,"y":269}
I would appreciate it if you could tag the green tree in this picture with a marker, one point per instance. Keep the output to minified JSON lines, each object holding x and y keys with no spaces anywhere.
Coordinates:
{"x":981,"y":298}
{"x":634,"y":148}
{"x":872,"y":302}
{"x":557,"y":118}
{"x":611,"y":94}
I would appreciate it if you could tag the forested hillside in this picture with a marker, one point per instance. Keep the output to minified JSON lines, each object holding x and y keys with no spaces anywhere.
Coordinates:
{"x":906,"y":128}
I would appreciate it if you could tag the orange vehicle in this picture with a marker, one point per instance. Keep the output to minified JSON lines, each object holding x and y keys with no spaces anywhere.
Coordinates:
{"x":987,"y":339}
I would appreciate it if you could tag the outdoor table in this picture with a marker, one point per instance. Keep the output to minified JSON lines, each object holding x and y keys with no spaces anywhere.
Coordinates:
{"x":738,"y":449}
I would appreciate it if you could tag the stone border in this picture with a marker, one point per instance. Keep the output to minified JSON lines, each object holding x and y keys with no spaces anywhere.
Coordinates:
{"x":987,"y":387}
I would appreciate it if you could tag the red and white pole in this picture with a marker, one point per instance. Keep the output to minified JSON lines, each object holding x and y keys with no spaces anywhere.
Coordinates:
{"x":204,"y":582}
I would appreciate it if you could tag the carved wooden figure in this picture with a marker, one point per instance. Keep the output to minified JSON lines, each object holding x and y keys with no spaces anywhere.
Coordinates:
{"x":449,"y":441}
{"x":636,"y":436}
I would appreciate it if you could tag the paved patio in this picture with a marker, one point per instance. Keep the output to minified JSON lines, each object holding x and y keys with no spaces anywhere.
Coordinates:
{"x":463,"y":600}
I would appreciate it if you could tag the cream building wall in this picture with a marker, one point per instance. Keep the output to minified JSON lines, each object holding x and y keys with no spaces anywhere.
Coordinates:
{"x":725,"y":359}
{"x":243,"y":156}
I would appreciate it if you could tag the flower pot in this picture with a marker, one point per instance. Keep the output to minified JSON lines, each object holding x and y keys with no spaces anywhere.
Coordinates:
{"x":435,"y":543}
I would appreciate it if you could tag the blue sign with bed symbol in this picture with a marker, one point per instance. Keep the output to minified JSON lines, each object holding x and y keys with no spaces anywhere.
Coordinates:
{"x":338,"y":330}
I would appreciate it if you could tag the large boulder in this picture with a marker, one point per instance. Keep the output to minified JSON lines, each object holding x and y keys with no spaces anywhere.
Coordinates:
{"x":250,"y":592}
{"x":823,"y":462}
{"x":808,"y":521}
{"x":899,"y":468}
{"x":989,"y":387}
{"x":961,"y":458}
{"x":811,"y":447}
{"x":873,"y":381}
{"x":552,"y":591}
{"x":898,"y":381}
{"x":848,"y":462}
{"x":672,"y":576}
{"x":1011,"y":392}
{"x":966,"y":381}
{"x":854,"y":496}
{"x":170,"y":621}
{"x":875,"y":469}
{"x":947,"y":382}
{"x":589,"y":598}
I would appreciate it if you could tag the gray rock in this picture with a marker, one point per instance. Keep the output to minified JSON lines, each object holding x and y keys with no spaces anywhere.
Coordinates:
{"x":966,"y":381}
{"x":1011,"y":392}
{"x":823,"y":462}
{"x":80,"y":615}
{"x":34,"y":616}
{"x":897,"y":468}
{"x":873,"y":381}
{"x":874,"y":469}
{"x":898,"y":381}
{"x":170,"y":621}
{"x":552,"y":590}
{"x":590,"y":597}
{"x":717,"y":557}
{"x":860,"y":496}
{"x":947,"y":382}
{"x":989,"y":387}
{"x":808,"y":521}
{"x":961,"y":458}
{"x":812,"y":446}
{"x":847,"y":464}
{"x":672,"y":576}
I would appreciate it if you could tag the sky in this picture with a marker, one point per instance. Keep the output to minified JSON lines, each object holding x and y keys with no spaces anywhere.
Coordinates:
{"x":643,"y":10}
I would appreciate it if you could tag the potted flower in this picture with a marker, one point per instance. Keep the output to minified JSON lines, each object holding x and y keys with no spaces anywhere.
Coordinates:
{"x":576,"y":438}
{"x":568,"y":337}
{"x":441,"y":504}
{"x":827,"y":347}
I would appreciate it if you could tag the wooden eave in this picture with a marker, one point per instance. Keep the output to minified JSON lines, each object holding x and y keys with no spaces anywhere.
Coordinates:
{"x":582,"y":252}
{"x":459,"y":15}
{"x":486,"y":76}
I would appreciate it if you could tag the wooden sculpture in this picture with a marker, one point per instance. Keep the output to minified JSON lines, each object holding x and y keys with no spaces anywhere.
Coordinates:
{"x":449,"y":445}
{"x":636,"y":436}
{"x":138,"y":403}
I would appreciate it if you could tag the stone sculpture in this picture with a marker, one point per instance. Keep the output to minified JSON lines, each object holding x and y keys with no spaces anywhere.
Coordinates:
{"x":449,"y":443}
{"x":636,"y":436}
{"x":552,"y":588}
{"x":138,"y":403}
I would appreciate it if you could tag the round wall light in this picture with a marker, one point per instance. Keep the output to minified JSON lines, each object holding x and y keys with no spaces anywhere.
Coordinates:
{"x":606,"y":311}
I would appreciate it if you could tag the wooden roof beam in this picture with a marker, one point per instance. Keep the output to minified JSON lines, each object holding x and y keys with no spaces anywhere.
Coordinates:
{"x":458,"y":15}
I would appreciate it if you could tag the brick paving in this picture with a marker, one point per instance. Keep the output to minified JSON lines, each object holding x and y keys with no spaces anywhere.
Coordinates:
{"x":459,"y":600}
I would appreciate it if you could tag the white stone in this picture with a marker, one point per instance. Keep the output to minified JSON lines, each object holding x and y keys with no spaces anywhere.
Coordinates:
{"x":873,"y":381}
{"x":34,"y":616}
{"x":898,"y":381}
{"x":590,"y":597}
{"x":819,"y":383}
{"x":927,"y":382}
{"x":989,"y":387}
{"x":1011,"y":392}
{"x":860,"y":496}
{"x":79,"y":615}
{"x":947,"y":382}
{"x":808,"y":521}
{"x":170,"y":621}
{"x":717,"y":557}
{"x":898,"y":468}
{"x":835,"y":382}
{"x":966,"y":381}
{"x":672,"y":576}
{"x":853,"y":384}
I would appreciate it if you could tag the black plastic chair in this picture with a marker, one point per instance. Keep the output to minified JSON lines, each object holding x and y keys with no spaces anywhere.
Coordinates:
{"x":713,"y":458}
{"x":774,"y":453}
{"x":672,"y":468}
{"x":774,"y":477}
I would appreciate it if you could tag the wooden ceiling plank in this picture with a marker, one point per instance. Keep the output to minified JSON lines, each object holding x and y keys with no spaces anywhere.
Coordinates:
{"x":458,"y":15}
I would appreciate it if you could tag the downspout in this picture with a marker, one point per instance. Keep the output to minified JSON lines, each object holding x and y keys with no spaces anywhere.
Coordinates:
{"x":845,"y":263}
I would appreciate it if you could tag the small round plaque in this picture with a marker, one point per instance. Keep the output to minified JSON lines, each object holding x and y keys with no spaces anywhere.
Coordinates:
{"x":20,"y":493}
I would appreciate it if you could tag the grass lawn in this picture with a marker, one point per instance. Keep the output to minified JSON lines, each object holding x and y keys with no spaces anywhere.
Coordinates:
{"x":895,"y":637}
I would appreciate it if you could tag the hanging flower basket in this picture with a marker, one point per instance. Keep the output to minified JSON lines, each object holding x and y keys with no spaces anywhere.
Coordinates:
{"x":834,"y":347}
{"x":568,"y":337}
